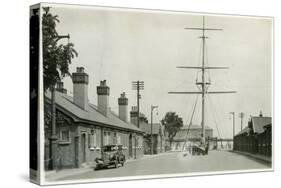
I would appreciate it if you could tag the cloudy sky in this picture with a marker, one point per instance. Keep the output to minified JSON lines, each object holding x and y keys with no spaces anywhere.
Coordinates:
{"x":123,"y":45}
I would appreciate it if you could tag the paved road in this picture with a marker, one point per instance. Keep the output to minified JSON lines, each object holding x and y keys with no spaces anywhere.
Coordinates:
{"x":170,"y":163}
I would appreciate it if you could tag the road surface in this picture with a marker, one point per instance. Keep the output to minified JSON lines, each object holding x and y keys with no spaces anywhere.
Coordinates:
{"x":175,"y":162}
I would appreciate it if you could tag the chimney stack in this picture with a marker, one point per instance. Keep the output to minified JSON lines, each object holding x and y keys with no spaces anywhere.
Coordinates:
{"x":134,"y":115}
{"x":80,"y":81}
{"x":123,"y":107}
{"x":60,"y":88}
{"x":103,"y":98}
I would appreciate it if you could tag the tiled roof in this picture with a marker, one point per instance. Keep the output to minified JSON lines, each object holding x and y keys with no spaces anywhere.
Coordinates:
{"x":156,"y":128}
{"x":92,"y":115}
{"x":259,"y":123}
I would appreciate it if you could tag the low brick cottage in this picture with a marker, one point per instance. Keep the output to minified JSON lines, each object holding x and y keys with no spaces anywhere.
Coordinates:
{"x":83,"y":128}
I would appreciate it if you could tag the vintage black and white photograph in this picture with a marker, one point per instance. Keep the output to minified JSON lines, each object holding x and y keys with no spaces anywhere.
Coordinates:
{"x":135,"y":93}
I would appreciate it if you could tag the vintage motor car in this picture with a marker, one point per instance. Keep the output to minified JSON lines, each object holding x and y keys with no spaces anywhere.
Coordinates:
{"x":112,"y":155}
{"x":200,"y":149}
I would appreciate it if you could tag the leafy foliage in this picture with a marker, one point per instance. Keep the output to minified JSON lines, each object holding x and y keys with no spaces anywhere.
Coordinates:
{"x":172,"y":123}
{"x":56,"y":57}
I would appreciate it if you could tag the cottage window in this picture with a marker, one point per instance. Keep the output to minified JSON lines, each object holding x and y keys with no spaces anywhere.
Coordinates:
{"x":92,"y":140}
{"x":124,"y":140}
{"x":140,"y":141}
{"x":64,"y":135}
{"x":118,"y":139}
{"x":89,"y":141}
{"x":106,"y":138}
{"x":115,"y":138}
{"x":127,"y":140}
{"x":109,"y":141}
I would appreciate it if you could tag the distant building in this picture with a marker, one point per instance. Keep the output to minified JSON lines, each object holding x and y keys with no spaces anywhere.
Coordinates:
{"x":190,"y":136}
{"x":158,"y":138}
{"x":83,"y":128}
{"x":256,"y":137}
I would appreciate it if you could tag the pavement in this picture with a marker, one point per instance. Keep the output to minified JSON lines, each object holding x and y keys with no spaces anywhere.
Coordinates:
{"x":255,"y":156}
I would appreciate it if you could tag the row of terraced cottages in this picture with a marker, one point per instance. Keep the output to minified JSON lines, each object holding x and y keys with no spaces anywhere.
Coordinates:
{"x":256,"y":137}
{"x":83,"y":128}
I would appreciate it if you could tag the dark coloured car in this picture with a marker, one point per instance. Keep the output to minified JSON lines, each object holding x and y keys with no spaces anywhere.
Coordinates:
{"x":112,"y":155}
{"x":200,"y":149}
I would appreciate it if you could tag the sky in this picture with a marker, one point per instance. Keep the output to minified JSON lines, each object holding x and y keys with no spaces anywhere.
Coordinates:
{"x":125,"y":45}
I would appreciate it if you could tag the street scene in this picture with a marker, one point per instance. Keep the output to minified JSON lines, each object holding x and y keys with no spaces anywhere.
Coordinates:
{"x":141,"y":93}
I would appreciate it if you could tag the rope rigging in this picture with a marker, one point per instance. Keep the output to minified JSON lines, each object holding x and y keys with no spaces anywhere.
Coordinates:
{"x":207,"y":71}
{"x":199,"y":61}
{"x":190,"y":122}
{"x":215,"y":115}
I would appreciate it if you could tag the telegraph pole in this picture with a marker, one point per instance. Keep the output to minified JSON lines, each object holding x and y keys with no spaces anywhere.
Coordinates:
{"x":138,"y":85}
{"x":151,"y":133}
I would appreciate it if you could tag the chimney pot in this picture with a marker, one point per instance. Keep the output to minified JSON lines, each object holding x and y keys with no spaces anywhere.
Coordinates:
{"x":103,"y":98}
{"x":60,"y":88}
{"x":80,"y":69}
{"x":123,"y":107}
{"x":80,"y":81}
{"x":134,"y":115}
{"x":103,"y":83}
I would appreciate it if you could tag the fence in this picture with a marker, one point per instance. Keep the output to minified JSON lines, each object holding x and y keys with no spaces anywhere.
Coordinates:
{"x":255,"y":143}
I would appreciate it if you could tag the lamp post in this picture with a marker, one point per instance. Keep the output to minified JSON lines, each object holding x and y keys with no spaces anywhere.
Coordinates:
{"x":151,"y":135}
{"x":53,"y":138}
{"x":241,"y":115}
{"x":135,"y":137}
{"x":233,"y":118}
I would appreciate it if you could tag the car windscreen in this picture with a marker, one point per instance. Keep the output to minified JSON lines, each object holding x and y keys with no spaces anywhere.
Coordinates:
{"x":110,"y":148}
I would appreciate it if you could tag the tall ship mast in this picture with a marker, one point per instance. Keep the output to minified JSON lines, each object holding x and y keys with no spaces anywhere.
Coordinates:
{"x":203,"y":84}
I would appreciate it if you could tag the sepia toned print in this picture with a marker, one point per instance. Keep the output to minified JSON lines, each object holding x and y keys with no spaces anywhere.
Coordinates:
{"x":132,"y":94}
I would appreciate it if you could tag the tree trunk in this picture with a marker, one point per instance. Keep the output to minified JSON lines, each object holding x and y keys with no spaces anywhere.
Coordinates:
{"x":171,"y":141}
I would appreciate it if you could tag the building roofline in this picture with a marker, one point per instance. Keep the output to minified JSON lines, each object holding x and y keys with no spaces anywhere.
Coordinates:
{"x":81,"y":120}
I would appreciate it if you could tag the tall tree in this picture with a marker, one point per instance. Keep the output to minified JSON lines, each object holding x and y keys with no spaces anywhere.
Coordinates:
{"x":56,"y":57}
{"x":172,"y":123}
{"x":56,"y":60}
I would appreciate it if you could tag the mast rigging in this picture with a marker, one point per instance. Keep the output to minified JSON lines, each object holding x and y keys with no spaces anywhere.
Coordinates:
{"x":203,"y":85}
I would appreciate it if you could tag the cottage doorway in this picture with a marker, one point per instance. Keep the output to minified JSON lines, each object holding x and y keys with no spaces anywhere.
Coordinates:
{"x":130,"y":146}
{"x":83,"y":147}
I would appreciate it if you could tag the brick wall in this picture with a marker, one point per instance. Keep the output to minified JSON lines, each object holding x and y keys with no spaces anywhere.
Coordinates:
{"x":157,"y":146}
